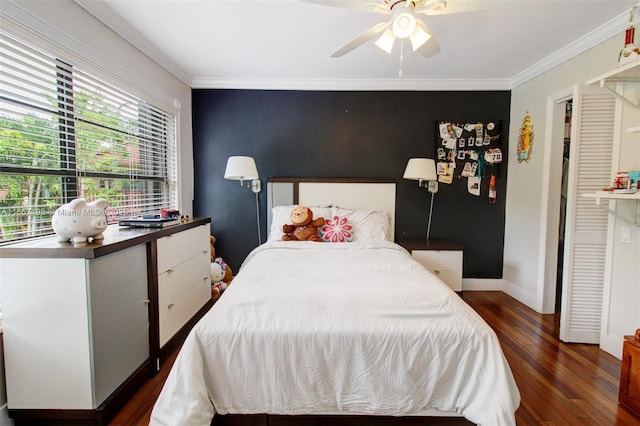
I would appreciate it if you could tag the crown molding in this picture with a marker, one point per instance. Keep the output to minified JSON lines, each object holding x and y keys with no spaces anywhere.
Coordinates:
{"x":614,"y":27}
{"x":106,"y":15}
{"x":399,"y":84}
{"x":124,"y":29}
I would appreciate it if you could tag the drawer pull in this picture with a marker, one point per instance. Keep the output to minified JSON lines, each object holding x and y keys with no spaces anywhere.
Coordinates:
{"x":171,"y":305}
{"x":206,"y":278}
{"x":169,"y":271}
{"x":436,"y":271}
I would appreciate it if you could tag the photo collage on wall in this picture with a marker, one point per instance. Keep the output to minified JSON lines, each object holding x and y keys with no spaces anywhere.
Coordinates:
{"x":468,"y":150}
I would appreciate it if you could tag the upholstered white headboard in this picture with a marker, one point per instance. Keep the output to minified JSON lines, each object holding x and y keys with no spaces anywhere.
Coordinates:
{"x":364,"y":194}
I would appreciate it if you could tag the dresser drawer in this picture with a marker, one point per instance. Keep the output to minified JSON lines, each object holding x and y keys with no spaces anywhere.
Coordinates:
{"x":177,"y":248}
{"x":174,"y":282}
{"x":176,"y":314}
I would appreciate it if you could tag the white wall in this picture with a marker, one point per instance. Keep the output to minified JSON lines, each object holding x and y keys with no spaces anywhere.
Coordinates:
{"x":533,"y":190}
{"x":526,"y":189}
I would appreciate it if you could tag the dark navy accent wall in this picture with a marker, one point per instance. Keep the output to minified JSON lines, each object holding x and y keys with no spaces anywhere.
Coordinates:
{"x":346,"y":135}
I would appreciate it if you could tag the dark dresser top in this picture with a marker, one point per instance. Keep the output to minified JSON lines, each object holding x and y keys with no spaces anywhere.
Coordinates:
{"x":115,"y":238}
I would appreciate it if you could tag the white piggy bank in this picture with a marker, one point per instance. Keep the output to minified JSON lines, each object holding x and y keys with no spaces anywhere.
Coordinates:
{"x":78,"y":221}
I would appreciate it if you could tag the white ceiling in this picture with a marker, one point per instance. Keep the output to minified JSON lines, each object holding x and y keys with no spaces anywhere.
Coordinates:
{"x":286,"y":44}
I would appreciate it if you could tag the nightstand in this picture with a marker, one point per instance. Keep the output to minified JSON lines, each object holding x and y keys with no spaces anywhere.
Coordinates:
{"x":443,"y":258}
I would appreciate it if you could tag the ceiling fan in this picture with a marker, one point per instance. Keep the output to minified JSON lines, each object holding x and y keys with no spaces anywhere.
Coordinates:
{"x":403,"y":24}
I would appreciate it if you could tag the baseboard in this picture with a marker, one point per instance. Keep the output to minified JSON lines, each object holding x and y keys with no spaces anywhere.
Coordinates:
{"x":482,"y":284}
{"x":521,"y":295}
{"x":500,"y":284}
{"x":612,"y":344}
{"x":4,"y":416}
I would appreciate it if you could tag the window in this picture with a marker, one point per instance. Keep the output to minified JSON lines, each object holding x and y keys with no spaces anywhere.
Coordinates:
{"x":66,"y":134}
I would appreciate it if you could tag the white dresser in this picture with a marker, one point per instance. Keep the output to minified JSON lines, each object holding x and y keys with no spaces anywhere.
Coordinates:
{"x":443,"y":258}
{"x":82,"y":325}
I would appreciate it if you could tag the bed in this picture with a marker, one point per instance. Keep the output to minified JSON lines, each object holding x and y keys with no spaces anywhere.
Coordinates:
{"x":347,"y":328}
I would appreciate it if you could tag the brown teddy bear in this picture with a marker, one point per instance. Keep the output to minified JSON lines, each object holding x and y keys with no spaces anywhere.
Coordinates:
{"x":212,"y":249}
{"x":304,"y":227}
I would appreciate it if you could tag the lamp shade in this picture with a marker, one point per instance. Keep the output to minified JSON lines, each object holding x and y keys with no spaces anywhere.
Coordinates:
{"x":421,"y":169}
{"x":241,"y":168}
{"x":385,"y":42}
{"x":419,"y":38}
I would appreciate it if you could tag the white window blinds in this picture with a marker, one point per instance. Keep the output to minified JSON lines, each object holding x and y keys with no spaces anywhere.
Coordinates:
{"x":66,"y":134}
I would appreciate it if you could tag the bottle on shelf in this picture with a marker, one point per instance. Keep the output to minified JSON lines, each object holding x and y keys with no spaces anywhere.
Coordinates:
{"x":492,"y":189}
{"x":630,"y":52}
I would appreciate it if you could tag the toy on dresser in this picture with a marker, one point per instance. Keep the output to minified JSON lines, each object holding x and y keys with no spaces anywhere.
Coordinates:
{"x":79,"y":221}
{"x":221,"y":273}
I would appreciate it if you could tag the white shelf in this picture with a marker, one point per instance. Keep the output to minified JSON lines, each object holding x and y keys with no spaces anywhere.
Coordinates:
{"x":633,"y":129}
{"x":629,"y":73}
{"x":608,"y":195}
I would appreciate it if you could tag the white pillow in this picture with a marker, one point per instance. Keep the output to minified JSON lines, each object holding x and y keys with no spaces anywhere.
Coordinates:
{"x":368,"y":225}
{"x":281,"y":215}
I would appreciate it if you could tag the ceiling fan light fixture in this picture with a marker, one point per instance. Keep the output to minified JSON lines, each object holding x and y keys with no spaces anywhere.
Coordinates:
{"x":404,"y":25}
{"x":418,"y":38}
{"x":386,"y":40}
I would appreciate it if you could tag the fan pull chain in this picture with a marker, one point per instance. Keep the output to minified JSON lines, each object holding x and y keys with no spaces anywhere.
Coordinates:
{"x":400,"y":72}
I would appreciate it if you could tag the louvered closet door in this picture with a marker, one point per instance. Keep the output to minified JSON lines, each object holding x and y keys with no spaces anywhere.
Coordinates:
{"x":586,"y":223}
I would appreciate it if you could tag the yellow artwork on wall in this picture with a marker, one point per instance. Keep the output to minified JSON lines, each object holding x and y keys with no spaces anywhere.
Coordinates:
{"x":525,"y":141}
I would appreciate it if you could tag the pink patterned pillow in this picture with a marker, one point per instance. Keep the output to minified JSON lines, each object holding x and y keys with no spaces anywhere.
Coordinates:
{"x":337,"y":230}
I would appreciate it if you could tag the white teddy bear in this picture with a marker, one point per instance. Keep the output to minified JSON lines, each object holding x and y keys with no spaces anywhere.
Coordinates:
{"x":220,"y":276}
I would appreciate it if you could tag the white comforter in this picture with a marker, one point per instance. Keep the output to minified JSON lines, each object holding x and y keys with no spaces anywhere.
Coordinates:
{"x":352,"y":328}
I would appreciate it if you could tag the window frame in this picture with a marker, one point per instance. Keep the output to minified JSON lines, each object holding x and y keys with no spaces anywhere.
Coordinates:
{"x":71,"y":177}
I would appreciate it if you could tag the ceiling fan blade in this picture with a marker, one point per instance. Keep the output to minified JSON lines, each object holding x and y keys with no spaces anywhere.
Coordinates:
{"x":431,"y":47}
{"x":377,"y":6}
{"x":361,"y":39}
{"x":431,"y":6}
{"x":450,"y":7}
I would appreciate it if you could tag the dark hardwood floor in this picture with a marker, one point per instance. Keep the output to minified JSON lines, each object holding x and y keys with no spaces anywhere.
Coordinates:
{"x":560,"y":383}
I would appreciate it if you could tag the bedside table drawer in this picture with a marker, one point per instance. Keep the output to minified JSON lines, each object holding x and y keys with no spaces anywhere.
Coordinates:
{"x":443,"y":258}
{"x":451,"y":278}
{"x":439,"y":259}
